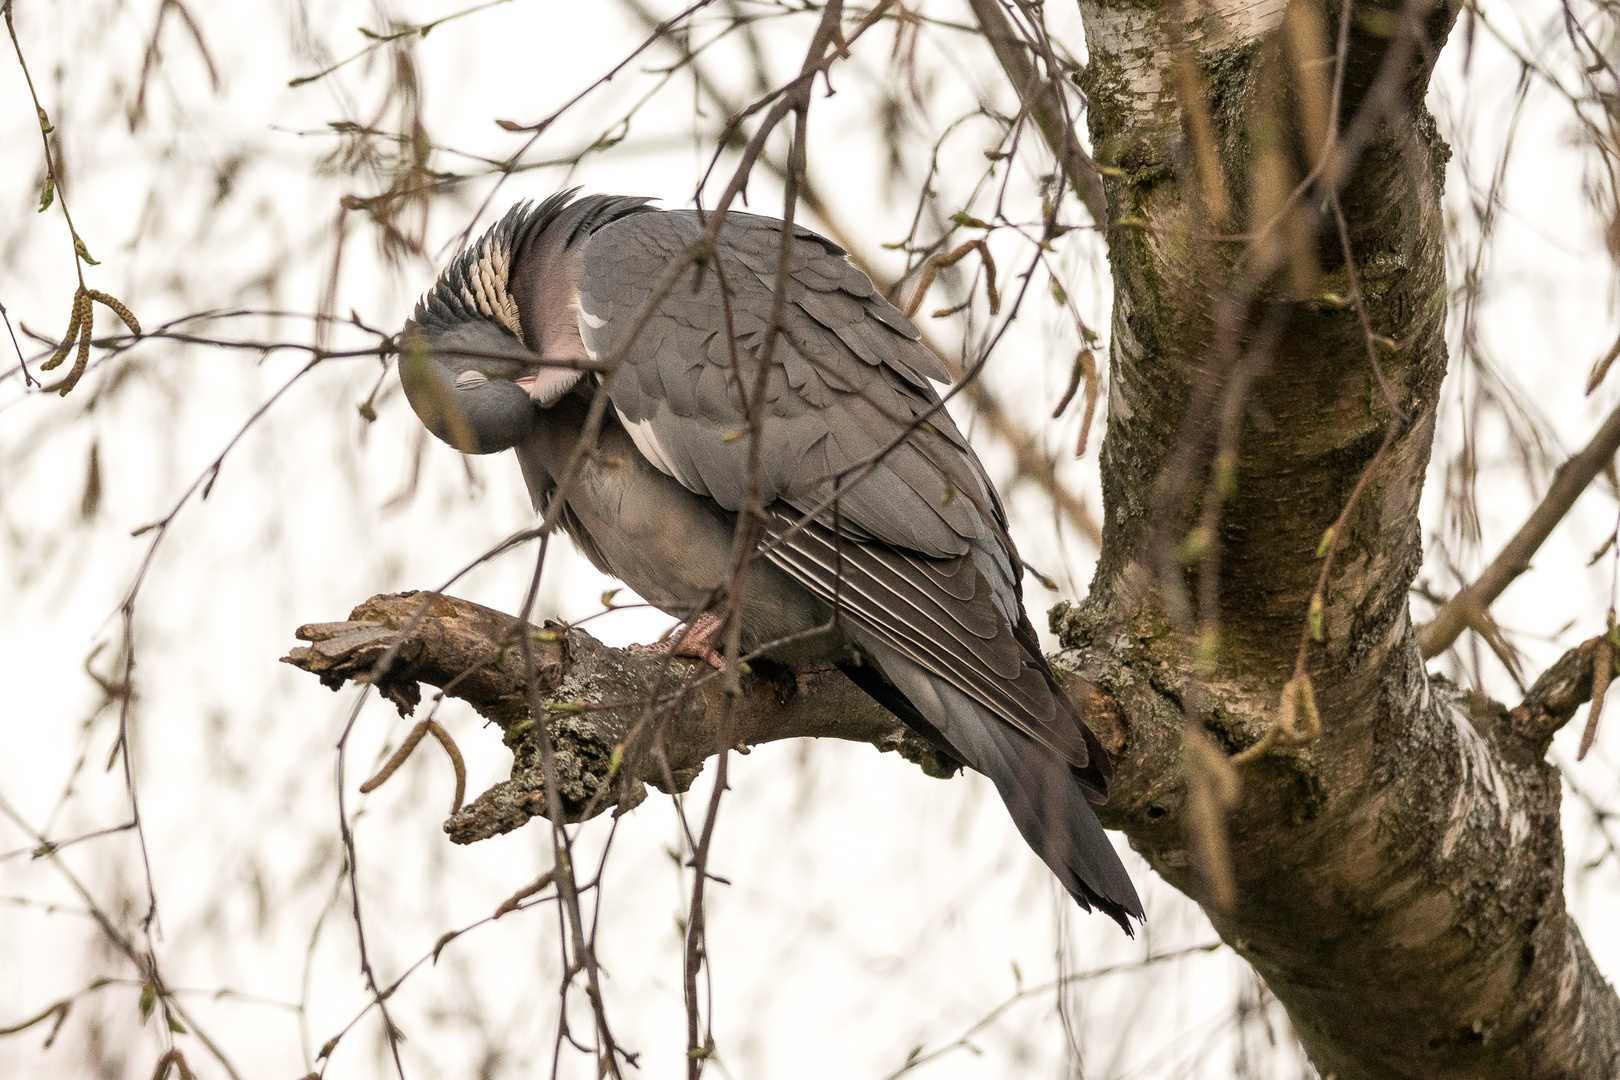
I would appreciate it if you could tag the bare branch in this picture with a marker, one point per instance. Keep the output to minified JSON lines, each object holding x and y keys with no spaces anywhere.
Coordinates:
{"x":1562,"y":689}
{"x":1573,"y":476}
{"x":1044,"y":105}
{"x":595,"y":697}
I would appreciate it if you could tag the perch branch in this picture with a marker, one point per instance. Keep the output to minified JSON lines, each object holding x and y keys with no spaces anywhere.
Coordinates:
{"x":597,"y":696}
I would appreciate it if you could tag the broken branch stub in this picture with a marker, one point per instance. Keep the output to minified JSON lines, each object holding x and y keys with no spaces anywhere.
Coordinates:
{"x":1557,"y":693}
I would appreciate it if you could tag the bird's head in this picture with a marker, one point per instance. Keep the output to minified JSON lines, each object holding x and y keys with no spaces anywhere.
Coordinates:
{"x":464,"y":361}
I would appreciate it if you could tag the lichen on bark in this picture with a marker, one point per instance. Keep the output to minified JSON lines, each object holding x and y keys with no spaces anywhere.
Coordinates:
{"x":1398,"y":881}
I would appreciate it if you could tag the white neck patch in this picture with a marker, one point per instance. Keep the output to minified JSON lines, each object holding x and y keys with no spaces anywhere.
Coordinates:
{"x":486,"y":287}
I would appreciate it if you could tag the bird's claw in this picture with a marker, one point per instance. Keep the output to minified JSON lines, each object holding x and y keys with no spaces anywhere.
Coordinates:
{"x":695,"y":641}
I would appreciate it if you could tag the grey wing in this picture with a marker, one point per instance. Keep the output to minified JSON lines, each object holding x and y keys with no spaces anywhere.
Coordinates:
{"x":848,"y":408}
{"x":843,"y":389}
{"x":942,"y":615}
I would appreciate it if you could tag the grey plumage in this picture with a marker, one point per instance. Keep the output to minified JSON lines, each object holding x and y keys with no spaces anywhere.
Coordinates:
{"x":875,"y":503}
{"x":461,"y":387}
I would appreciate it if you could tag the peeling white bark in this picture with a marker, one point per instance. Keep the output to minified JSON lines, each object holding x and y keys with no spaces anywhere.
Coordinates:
{"x":1133,"y":40}
{"x":1483,"y":788}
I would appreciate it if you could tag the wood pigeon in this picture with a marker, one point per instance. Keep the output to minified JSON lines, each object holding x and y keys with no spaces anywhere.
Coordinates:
{"x":885,"y":548}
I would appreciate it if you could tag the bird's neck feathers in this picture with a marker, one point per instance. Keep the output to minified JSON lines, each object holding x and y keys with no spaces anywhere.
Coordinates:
{"x":485,"y":287}
{"x":477,"y":285}
{"x":521,"y":274}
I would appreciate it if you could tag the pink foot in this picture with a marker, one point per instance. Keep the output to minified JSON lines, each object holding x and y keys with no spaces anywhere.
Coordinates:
{"x":696,"y":640}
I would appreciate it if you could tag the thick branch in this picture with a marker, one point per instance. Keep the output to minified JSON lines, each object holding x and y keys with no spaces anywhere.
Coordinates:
{"x":1572,"y":478}
{"x":659,"y":716}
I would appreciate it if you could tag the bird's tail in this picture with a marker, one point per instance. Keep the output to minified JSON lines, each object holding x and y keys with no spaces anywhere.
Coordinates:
{"x":1046,"y":799}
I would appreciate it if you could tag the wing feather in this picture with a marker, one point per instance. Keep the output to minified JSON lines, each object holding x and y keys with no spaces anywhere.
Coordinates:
{"x":961,"y":640}
{"x":865,"y":404}
{"x":919,"y":561}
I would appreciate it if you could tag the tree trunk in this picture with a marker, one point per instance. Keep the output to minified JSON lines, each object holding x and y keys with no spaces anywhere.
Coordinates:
{"x":1399,"y":881}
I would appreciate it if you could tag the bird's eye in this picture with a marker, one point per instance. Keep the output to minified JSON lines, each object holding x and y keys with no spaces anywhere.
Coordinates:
{"x":469,"y":379}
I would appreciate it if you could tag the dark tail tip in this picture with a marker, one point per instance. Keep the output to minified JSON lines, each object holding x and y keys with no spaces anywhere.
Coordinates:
{"x":1050,"y":807}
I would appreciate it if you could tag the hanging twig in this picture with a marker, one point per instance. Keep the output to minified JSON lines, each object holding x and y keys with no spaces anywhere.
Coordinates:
{"x":426,"y":727}
{"x":83,"y":314}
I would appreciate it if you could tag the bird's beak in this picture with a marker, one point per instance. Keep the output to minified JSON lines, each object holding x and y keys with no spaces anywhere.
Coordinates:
{"x":548,"y":386}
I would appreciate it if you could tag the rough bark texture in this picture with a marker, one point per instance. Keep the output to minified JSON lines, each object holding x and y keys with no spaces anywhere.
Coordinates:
{"x":1399,"y":881}
{"x":658,"y":715}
